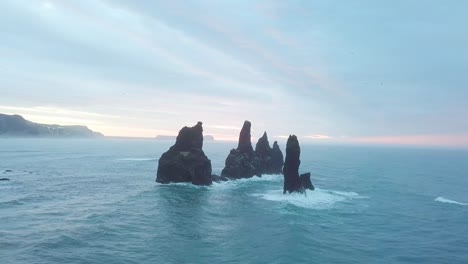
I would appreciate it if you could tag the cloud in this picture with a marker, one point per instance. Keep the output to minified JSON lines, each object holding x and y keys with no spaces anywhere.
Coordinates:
{"x":160,"y":65}
{"x":318,"y":136}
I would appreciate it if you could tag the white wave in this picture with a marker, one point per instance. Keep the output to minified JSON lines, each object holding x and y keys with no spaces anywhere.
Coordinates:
{"x":137,"y":159}
{"x":265,"y":177}
{"x":182,"y":184}
{"x":445,"y":200}
{"x":225,"y":185}
{"x":231,"y":184}
{"x":317,"y":199}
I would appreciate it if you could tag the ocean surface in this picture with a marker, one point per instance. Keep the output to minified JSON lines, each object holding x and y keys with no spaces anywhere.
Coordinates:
{"x":96,"y":201}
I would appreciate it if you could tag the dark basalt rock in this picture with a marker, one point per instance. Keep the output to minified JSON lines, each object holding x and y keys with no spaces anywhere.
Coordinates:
{"x":241,"y":165}
{"x":306,"y":182}
{"x":271,"y":158}
{"x":186,"y":161}
{"x":242,"y":162}
{"x":245,"y":144}
{"x":217,"y":178}
{"x":292,"y":182}
{"x":277,"y":160}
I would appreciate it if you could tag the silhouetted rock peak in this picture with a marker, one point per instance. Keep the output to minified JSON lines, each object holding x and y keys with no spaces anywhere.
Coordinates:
{"x":245,"y":143}
{"x":263,"y":146}
{"x":275,"y":145}
{"x":186,"y":161}
{"x":293,"y":152}
{"x":277,"y":159}
{"x":292,"y":182}
{"x":190,"y":137}
{"x":243,"y":162}
{"x":272,"y":158}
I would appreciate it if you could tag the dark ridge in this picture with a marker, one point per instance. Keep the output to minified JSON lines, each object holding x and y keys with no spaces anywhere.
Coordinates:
{"x":17,"y":126}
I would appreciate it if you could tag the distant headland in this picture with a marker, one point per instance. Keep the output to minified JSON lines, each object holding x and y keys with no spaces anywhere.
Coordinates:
{"x":17,"y":126}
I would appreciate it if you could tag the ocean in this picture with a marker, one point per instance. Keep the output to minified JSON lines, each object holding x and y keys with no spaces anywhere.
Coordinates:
{"x":96,"y":201}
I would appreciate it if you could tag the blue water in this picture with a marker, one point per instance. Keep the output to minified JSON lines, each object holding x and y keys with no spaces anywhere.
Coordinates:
{"x":95,"y":201}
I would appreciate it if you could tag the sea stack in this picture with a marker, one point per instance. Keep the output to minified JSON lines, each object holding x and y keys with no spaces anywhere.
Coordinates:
{"x":292,"y":181}
{"x":271,"y":158}
{"x":245,"y":143}
{"x":185,"y":161}
{"x":306,"y":182}
{"x":277,"y":159}
{"x":242,"y":162}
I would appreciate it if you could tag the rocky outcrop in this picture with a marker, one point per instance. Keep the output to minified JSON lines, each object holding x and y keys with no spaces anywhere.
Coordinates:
{"x":245,"y":143}
{"x":242,"y":162}
{"x":271,"y":158}
{"x":277,"y":160}
{"x":186,"y":161}
{"x":292,"y":181}
{"x":217,"y":178}
{"x":306,"y":182}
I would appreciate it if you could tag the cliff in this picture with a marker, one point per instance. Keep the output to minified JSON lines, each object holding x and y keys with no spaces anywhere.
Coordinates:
{"x":17,"y":126}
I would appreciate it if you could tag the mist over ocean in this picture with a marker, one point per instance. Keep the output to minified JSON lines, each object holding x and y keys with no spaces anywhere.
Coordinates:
{"x":96,"y":201}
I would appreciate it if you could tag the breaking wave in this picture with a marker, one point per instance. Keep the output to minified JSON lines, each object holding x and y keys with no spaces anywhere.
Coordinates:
{"x":445,"y":200}
{"x":317,"y":199}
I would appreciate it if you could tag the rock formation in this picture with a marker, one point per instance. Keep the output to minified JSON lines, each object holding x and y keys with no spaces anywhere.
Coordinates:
{"x":306,"y":182}
{"x":245,"y":144}
{"x":242,"y":162}
{"x":271,"y":158}
{"x":186,"y":161}
{"x":217,"y":178}
{"x":277,"y":160}
{"x":292,"y":181}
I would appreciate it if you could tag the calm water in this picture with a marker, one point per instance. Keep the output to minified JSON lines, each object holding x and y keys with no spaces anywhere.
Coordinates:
{"x":95,"y":201}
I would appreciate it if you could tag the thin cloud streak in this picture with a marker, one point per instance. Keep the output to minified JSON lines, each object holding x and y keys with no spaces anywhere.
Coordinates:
{"x":318,"y":136}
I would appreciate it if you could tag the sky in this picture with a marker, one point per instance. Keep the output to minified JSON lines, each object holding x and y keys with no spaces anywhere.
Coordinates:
{"x":362,"y":71}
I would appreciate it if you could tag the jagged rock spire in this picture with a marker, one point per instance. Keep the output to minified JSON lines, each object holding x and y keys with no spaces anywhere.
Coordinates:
{"x":292,"y":182}
{"x":245,"y":143}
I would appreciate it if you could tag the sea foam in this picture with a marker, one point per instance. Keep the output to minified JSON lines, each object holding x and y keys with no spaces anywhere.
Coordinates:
{"x":317,"y":199}
{"x":445,"y":200}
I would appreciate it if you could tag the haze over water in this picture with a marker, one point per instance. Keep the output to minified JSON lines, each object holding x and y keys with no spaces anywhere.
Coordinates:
{"x":95,"y":201}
